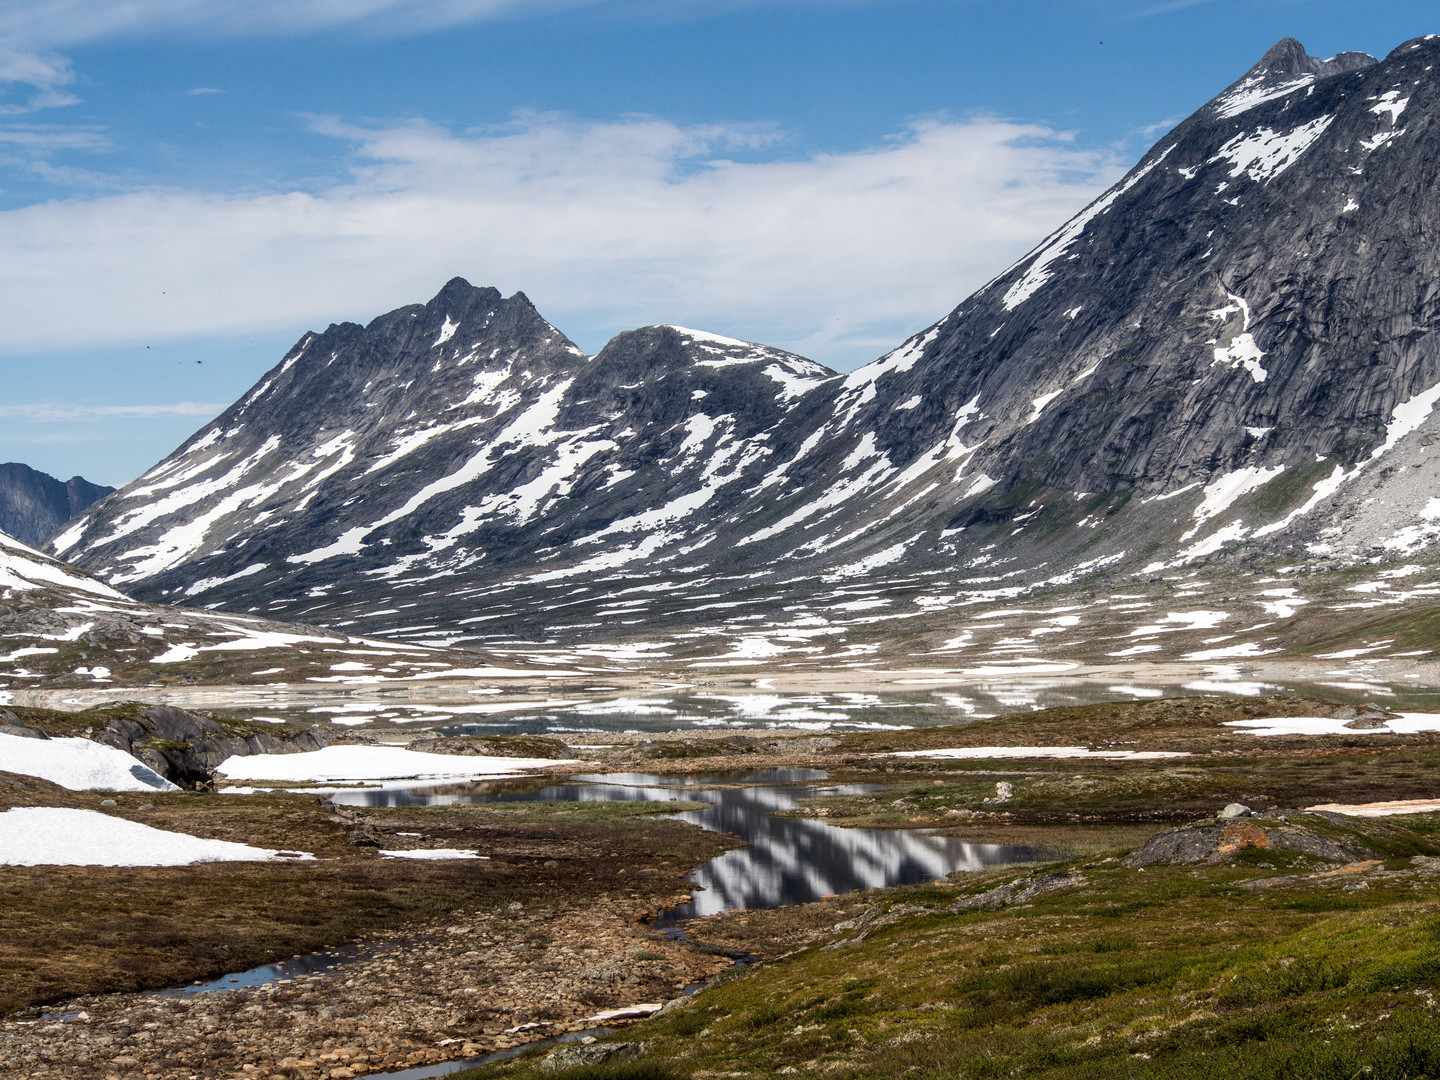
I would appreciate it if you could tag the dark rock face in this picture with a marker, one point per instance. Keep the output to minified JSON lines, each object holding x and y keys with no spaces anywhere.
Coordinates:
{"x":1230,"y":353}
{"x":33,"y":504}
{"x":186,"y":748}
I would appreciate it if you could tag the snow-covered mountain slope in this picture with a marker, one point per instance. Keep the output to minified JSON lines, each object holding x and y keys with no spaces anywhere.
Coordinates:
{"x":1233,"y":346}
{"x":1228,"y":357}
{"x":62,"y":627}
{"x":379,"y":468}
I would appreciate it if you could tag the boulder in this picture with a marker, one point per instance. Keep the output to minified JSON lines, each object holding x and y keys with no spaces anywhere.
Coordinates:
{"x":1221,"y":842}
{"x":589,"y":1052}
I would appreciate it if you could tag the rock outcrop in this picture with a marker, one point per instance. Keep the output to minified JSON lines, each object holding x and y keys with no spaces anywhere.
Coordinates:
{"x":1211,"y":844}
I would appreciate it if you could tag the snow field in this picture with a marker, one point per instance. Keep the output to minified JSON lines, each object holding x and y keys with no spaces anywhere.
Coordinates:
{"x":1407,"y":724}
{"x":57,"y":836}
{"x":1038,"y":752}
{"x":78,"y":765}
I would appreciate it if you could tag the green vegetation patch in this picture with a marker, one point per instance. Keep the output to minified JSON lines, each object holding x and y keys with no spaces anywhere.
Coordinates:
{"x":1201,"y":975}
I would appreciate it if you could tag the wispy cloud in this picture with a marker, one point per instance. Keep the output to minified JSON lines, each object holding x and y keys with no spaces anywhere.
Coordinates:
{"x":62,"y":23}
{"x":33,"y":148}
{"x":53,"y":412}
{"x":199,"y":90}
{"x":1167,"y":8}
{"x":605,"y":225}
{"x":46,"y":76}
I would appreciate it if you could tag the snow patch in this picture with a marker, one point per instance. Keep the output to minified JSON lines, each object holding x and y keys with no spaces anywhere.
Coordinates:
{"x":1039,"y":403}
{"x":358,"y":763}
{"x":58,"y":836}
{"x":1254,"y":91}
{"x":1059,"y":243}
{"x":446,"y":332}
{"x":1038,"y":752}
{"x":1222,"y":493}
{"x":79,"y":765}
{"x":1264,"y":154}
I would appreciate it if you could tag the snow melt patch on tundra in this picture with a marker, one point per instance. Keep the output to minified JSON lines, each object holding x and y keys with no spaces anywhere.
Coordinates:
{"x":1038,"y":752}
{"x":79,"y":765}
{"x":1404,"y":724}
{"x":434,"y":853}
{"x":58,"y":836}
{"x":1380,"y":809}
{"x":358,"y":763}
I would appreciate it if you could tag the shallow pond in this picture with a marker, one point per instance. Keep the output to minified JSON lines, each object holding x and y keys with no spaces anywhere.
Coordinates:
{"x":587,"y":712}
{"x":789,"y":860}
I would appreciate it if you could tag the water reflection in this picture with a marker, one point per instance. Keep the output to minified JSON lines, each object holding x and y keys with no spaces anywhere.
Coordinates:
{"x":789,"y":860}
{"x":299,"y":967}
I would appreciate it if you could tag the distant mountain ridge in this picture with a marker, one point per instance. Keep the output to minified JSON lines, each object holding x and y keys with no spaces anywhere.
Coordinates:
{"x":1229,"y":356}
{"x":34,"y":504}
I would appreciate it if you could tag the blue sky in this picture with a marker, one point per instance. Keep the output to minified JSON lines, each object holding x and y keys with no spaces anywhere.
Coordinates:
{"x":186,"y":186}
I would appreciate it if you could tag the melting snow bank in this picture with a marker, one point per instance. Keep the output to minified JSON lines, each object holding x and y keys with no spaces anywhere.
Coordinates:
{"x":1381,"y":809}
{"x":355,"y":763}
{"x":1038,"y":752}
{"x":1401,"y":724}
{"x":434,"y":853}
{"x":79,"y":765}
{"x":54,"y":836}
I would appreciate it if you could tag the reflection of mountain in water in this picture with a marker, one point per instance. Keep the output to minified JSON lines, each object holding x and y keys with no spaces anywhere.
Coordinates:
{"x":789,"y":860}
{"x":796,"y":860}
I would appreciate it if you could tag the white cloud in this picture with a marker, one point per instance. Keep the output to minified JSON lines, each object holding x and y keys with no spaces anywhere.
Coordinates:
{"x":45,"y":74}
{"x":604,"y":225}
{"x":51,"y":23}
{"x":54,"y":411}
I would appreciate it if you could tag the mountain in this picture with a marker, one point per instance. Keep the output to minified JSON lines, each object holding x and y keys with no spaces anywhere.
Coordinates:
{"x":33,"y":504}
{"x":1225,"y":364}
{"x":395,"y":465}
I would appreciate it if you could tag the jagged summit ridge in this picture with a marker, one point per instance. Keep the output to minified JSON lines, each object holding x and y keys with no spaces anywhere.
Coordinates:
{"x":438,"y":437}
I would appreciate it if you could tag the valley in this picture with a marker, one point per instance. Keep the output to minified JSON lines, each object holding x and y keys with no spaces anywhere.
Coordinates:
{"x":1055,"y":696}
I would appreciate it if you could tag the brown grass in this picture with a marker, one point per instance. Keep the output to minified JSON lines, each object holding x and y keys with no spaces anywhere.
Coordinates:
{"x":66,"y":931}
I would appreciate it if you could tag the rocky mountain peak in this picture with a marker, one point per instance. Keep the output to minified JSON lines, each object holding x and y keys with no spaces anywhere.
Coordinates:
{"x":1287,"y":57}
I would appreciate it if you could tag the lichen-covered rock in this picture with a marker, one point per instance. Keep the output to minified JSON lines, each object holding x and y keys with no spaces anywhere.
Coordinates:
{"x":186,"y":748}
{"x":1221,"y":842}
{"x":589,"y":1052}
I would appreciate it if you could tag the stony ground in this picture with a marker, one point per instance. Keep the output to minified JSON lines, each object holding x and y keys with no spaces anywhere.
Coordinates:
{"x":483,"y":981}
